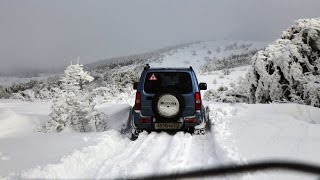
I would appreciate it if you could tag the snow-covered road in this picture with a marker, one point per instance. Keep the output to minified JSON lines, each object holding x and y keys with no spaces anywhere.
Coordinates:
{"x":241,"y":133}
{"x":157,"y":153}
{"x":107,"y":154}
{"x":115,"y":156}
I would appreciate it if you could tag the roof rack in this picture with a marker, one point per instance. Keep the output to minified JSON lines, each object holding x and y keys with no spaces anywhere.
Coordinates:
{"x":191,"y":67}
{"x":147,"y":66}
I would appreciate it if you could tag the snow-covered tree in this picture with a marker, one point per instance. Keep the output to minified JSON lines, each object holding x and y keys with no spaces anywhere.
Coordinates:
{"x":288,"y":70}
{"x":72,"y":107}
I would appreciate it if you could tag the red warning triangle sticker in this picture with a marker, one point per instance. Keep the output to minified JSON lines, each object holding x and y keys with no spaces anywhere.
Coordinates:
{"x":153,"y":78}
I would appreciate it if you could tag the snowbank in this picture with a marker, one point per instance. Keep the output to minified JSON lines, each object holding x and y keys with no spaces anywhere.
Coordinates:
{"x":18,"y":117}
{"x":118,"y":115}
{"x":245,"y":133}
{"x":81,"y":164}
{"x":12,"y":123}
{"x":23,"y":147}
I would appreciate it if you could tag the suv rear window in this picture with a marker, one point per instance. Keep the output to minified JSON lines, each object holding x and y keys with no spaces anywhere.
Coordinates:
{"x":179,"y":81}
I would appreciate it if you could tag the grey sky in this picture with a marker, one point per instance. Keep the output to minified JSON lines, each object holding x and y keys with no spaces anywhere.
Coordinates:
{"x":43,"y":33}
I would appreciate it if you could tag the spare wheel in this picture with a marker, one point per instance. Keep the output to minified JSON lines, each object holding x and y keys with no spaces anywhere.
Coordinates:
{"x":167,"y":105}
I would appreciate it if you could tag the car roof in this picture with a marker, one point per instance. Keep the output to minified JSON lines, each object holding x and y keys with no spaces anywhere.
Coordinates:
{"x":169,"y":69}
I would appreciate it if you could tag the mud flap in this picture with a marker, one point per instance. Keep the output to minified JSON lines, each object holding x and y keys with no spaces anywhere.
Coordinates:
{"x":208,"y":120}
{"x":204,"y":127}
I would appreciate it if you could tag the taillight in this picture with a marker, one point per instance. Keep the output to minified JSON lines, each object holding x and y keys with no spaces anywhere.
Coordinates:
{"x":144,"y":120}
{"x":197,"y":97}
{"x":137,"y":105}
{"x":190,"y":120}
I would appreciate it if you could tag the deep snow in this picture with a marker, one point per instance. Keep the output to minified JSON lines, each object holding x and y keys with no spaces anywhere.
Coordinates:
{"x":19,"y":128}
{"x":240,"y":133}
{"x":251,"y":132}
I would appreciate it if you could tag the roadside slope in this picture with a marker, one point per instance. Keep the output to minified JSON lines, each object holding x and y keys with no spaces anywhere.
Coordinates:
{"x":251,"y":132}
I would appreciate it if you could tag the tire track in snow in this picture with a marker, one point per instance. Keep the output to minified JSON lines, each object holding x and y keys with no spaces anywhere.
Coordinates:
{"x":159,"y":153}
{"x":176,"y":155}
{"x":138,"y":159}
{"x":118,"y":157}
{"x":189,"y":152}
{"x":129,"y":154}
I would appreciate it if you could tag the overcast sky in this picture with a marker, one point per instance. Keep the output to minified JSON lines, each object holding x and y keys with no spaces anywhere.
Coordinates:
{"x":43,"y":33}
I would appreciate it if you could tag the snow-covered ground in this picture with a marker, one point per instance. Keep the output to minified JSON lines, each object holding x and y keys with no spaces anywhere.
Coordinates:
{"x":251,"y":132}
{"x":22,"y":145}
{"x":240,"y":133}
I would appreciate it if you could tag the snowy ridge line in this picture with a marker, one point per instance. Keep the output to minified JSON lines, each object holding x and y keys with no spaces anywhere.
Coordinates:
{"x":198,"y":55}
{"x":141,"y":57}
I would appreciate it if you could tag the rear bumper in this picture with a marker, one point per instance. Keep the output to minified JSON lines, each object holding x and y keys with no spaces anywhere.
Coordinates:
{"x":150,"y":126}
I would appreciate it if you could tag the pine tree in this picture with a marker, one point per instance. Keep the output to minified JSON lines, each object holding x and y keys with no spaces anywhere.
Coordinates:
{"x":72,"y":107}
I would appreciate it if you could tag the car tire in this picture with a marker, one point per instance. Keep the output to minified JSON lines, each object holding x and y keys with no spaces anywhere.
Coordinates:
{"x":168,"y":105}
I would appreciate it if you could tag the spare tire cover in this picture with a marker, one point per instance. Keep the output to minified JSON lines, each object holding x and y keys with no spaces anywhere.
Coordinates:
{"x":168,"y":105}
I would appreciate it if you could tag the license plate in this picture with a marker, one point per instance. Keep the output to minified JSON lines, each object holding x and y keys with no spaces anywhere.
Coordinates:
{"x":167,"y":125}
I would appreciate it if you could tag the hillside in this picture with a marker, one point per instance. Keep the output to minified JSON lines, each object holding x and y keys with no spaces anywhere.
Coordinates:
{"x":116,"y":75}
